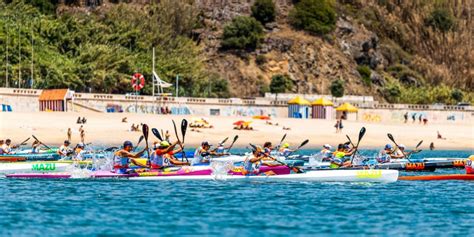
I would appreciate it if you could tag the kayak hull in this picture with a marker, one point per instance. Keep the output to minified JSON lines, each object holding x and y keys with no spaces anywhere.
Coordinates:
{"x":382,"y":176}
{"x":37,"y":166}
{"x":438,"y":177}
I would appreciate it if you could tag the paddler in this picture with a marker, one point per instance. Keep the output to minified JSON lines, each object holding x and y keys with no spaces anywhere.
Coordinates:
{"x":204,"y":153}
{"x":285,"y":150}
{"x":35,"y":147}
{"x":123,"y":157}
{"x":267,"y":149}
{"x":399,"y":153}
{"x":7,"y":147}
{"x":326,"y":152}
{"x":2,"y":142}
{"x":342,"y":157}
{"x":65,"y":150}
{"x":252,"y":164}
{"x":79,"y":152}
{"x":164,"y":156}
{"x":386,"y":154}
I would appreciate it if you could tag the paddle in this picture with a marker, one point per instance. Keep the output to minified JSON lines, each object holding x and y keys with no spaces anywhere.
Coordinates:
{"x":281,"y":141}
{"x":350,"y":142}
{"x":139,"y":141}
{"x":157,"y":134}
{"x":361,"y":135}
{"x":177,"y":137}
{"x":294,"y":168}
{"x":145,"y":130}
{"x":41,"y":142}
{"x":24,"y":142}
{"x":301,"y":145}
{"x":221,"y":143}
{"x":233,"y":142}
{"x":389,"y":135}
{"x":415,"y":150}
{"x":111,"y":148}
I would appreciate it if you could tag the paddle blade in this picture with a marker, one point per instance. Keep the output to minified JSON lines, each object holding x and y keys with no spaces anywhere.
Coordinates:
{"x":419,"y":144}
{"x":140,"y":139}
{"x":349,"y":139}
{"x":283,"y":138}
{"x":184,"y":127}
{"x":235,"y":139}
{"x":175,"y":130}
{"x":156,"y":133}
{"x":389,"y":135}
{"x":303,"y":143}
{"x":145,"y":131}
{"x":361,"y":133}
{"x":223,"y":141}
{"x":253,"y":146}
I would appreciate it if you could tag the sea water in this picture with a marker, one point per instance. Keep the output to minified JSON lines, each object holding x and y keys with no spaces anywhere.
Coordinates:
{"x":230,"y":208}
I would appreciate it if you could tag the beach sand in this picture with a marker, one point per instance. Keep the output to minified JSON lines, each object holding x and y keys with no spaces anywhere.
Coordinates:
{"x":106,"y":129}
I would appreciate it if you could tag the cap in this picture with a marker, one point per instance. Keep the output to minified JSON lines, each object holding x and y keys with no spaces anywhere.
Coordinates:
{"x":205,"y":144}
{"x":388,"y":146}
{"x":127,"y":143}
{"x":346,"y":146}
{"x":401,"y":146}
{"x":327,"y":146}
{"x":164,"y":144}
{"x":286,"y":145}
{"x":80,"y":145}
{"x":67,"y":142}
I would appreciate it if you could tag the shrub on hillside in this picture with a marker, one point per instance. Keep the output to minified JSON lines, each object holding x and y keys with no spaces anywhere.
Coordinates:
{"x":365,"y":73}
{"x":392,"y":93}
{"x":457,"y":95}
{"x":264,"y":11}
{"x":337,"y":88}
{"x":242,"y":33}
{"x":315,"y":16}
{"x":280,"y":84}
{"x":440,"y":19}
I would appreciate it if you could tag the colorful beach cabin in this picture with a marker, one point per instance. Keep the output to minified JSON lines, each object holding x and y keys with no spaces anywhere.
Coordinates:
{"x":347,"y":111}
{"x":298,"y":108}
{"x":322,"y":109}
{"x":55,"y":99}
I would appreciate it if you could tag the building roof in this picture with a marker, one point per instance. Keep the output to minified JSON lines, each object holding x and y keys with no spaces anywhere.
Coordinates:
{"x":54,"y":94}
{"x":347,"y":107}
{"x":298,"y":100}
{"x":323,"y":102}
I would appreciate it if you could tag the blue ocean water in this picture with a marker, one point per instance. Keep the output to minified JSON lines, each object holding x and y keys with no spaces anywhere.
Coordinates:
{"x":219,"y":208}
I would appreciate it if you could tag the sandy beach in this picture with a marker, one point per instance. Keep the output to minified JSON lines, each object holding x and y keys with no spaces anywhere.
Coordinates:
{"x":106,"y":129}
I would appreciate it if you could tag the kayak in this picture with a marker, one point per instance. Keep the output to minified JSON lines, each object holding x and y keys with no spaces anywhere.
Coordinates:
{"x":438,"y":177}
{"x":383,"y":176}
{"x":33,"y":157}
{"x":38,"y":166}
{"x":11,"y":158}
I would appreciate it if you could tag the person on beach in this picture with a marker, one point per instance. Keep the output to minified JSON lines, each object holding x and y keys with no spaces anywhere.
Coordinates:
{"x":337,"y":126}
{"x":285,"y":150}
{"x":432,"y":147}
{"x":420,"y":118}
{"x":64,"y":150}
{"x":167,"y":136}
{"x":440,"y":137}
{"x":164,"y":156}
{"x":413,"y":117}
{"x":123,"y":157}
{"x":69,"y":134}
{"x":405,"y":117}
{"x":83,"y":136}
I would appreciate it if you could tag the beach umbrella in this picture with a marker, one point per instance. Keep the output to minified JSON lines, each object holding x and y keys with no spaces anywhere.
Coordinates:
{"x":238,"y":123}
{"x":261,"y":117}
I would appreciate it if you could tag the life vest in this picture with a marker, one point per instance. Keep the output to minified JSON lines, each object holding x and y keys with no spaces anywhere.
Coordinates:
{"x":159,"y":160}
{"x":285,"y":152}
{"x":252,"y":168}
{"x":120,"y":162}
{"x":383,"y":157}
{"x":220,"y":149}
{"x":326,"y":154}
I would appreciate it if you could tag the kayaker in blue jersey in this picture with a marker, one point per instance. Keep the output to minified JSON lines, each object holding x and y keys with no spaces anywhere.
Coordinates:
{"x":326,"y":152}
{"x":123,"y":157}
{"x":285,"y":150}
{"x":64,"y":150}
{"x":267,"y":149}
{"x":221,"y":149}
{"x":385,"y":155}
{"x":204,"y":153}
{"x":164,"y":156}
{"x":253,"y":163}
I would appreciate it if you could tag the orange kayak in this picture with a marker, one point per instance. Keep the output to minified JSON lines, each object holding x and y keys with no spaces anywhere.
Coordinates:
{"x":12,"y":158}
{"x":438,"y":177}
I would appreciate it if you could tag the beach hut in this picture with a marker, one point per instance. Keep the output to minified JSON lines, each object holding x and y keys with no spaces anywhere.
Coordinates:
{"x":298,"y":108}
{"x":347,"y":111}
{"x":322,"y":109}
{"x":54,"y":100}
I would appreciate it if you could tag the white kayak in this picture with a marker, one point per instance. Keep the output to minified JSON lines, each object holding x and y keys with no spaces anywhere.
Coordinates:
{"x":381,"y":176}
{"x":36,"y":166}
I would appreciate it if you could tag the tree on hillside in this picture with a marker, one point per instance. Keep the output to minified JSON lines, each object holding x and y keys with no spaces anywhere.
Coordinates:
{"x":315,"y":16}
{"x":441,"y":19}
{"x":242,"y":33}
{"x":264,"y":11}
{"x":337,"y":88}
{"x":280,"y":84}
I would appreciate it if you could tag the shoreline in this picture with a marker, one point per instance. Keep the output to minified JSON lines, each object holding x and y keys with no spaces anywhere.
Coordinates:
{"x":107,"y":129}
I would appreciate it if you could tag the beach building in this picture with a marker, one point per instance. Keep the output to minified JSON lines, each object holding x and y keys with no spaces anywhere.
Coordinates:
{"x":298,"y":107}
{"x":55,"y":99}
{"x":347,"y":111}
{"x":322,"y":109}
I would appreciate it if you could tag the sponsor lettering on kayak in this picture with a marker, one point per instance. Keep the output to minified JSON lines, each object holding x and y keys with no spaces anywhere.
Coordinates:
{"x":43,"y":167}
{"x":369,"y":174}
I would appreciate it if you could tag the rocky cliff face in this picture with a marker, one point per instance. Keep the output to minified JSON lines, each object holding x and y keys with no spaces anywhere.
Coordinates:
{"x":379,"y":34}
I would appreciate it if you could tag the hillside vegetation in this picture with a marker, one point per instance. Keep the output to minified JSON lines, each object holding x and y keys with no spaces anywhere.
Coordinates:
{"x":398,"y":51}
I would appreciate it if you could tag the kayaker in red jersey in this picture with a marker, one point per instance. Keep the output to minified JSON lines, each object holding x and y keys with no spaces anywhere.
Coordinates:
{"x":164,"y":156}
{"x":123,"y":157}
